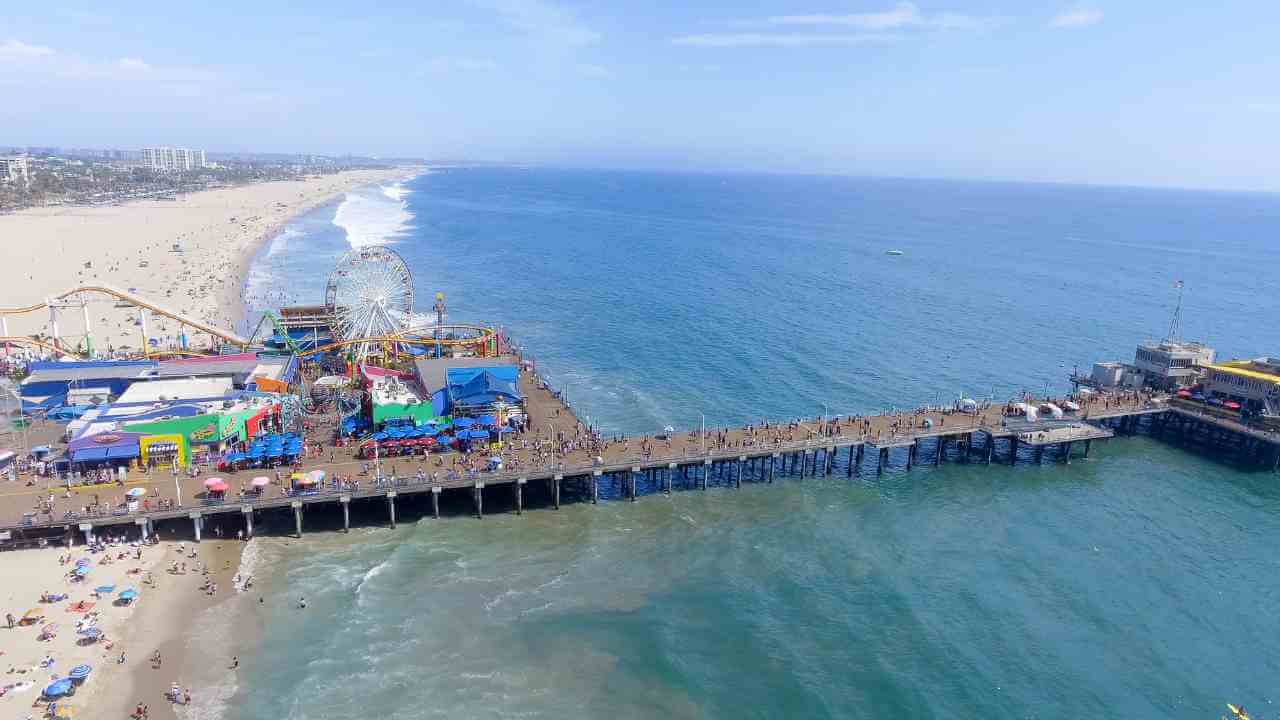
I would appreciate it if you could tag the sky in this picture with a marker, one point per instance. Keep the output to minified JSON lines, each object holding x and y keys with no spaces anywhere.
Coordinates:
{"x":1142,"y":92}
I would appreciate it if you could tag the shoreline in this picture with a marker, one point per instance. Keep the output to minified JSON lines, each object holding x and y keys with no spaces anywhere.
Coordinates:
{"x":189,"y":255}
{"x":235,"y":304}
{"x":196,"y":634}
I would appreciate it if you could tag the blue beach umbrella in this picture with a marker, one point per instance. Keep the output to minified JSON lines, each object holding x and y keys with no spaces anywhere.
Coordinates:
{"x":104,"y":589}
{"x":463,"y":422}
{"x":128,"y":594}
{"x":379,"y":436}
{"x":80,"y":672}
{"x":487,"y":420}
{"x":82,"y":570}
{"x":58,"y":688}
{"x":92,"y":633}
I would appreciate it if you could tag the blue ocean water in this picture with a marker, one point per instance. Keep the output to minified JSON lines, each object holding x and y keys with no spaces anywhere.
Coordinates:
{"x":1141,"y":583}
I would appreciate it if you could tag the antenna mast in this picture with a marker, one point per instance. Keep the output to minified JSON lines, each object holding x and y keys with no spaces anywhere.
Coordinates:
{"x":1175,"y":325}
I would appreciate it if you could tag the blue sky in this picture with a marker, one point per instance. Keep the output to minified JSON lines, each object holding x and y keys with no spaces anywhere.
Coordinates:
{"x":1139,"y":92}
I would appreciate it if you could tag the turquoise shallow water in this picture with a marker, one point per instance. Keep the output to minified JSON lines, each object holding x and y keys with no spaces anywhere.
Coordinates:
{"x":1139,"y":583}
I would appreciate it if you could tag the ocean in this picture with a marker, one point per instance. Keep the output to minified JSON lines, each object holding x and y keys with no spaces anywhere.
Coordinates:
{"x":1139,"y":583}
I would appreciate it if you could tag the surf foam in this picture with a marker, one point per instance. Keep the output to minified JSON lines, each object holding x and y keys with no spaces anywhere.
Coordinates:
{"x":374,"y":216}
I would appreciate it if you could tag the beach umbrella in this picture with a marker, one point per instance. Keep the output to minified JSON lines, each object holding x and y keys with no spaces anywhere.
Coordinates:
{"x":219,"y":486}
{"x":463,"y":422}
{"x":128,"y":594}
{"x":80,"y":672}
{"x":213,"y":481}
{"x":91,"y":633}
{"x":82,"y":570}
{"x":487,"y":420}
{"x":261,"y":481}
{"x":105,"y":589}
{"x":83,"y":561}
{"x":58,"y":688}
{"x":136,"y":492}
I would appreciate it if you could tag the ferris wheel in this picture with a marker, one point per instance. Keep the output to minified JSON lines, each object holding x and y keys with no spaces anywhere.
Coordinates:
{"x":369,"y":295}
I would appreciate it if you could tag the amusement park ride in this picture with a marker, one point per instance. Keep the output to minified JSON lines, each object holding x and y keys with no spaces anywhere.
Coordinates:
{"x":367,"y":316}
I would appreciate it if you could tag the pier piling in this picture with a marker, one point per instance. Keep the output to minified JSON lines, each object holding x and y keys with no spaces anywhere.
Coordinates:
{"x":1013,"y":450}
{"x":631,"y":482}
{"x":195,"y":523}
{"x":706,"y":472}
{"x":666,"y":479}
{"x":391,"y":507}
{"x":942,"y":447}
{"x":478,"y":495}
{"x":345,"y":502}
{"x":773,"y":460}
{"x":247,"y":512}
{"x":297,"y":518}
{"x":435,"y":501}
{"x":737,"y":475}
{"x":555,"y":488}
{"x":595,"y":486}
{"x":520,"y":483}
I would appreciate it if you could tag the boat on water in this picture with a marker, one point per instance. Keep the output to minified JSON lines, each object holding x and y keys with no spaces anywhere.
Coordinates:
{"x":894,"y":252}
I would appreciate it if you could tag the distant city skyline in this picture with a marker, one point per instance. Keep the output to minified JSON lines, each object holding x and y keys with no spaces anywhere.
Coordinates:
{"x":1136,"y":93}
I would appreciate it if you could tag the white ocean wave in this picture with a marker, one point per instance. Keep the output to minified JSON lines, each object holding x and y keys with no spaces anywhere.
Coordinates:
{"x":372,"y":217}
{"x":396,"y":191}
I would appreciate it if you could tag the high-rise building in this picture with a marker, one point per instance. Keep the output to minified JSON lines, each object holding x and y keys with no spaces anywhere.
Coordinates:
{"x":167,"y":159}
{"x":15,"y":170}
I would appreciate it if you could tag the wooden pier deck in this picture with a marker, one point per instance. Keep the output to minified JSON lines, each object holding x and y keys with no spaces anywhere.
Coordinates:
{"x":796,"y":448}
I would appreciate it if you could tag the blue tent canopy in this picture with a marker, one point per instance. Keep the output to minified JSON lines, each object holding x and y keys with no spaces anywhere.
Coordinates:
{"x":487,"y":420}
{"x":58,"y":688}
{"x":463,"y":422}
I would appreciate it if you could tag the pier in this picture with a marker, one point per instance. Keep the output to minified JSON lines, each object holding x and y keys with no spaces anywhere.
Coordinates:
{"x":835,"y":447}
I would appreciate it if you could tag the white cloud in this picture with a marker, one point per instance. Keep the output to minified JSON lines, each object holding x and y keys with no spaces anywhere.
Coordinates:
{"x":130,"y":63}
{"x":17,"y":48}
{"x":592,"y":70}
{"x":450,"y":64}
{"x":1078,"y":18}
{"x":730,"y":40}
{"x":542,"y":21}
{"x":900,"y":16}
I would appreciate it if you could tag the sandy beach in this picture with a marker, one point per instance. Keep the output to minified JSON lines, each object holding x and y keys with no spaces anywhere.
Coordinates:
{"x":124,"y":673}
{"x":132,"y":247}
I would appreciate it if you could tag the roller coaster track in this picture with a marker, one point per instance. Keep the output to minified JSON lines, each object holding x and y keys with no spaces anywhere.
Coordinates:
{"x":136,"y":301}
{"x":414,"y":336}
{"x":28,"y":342}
